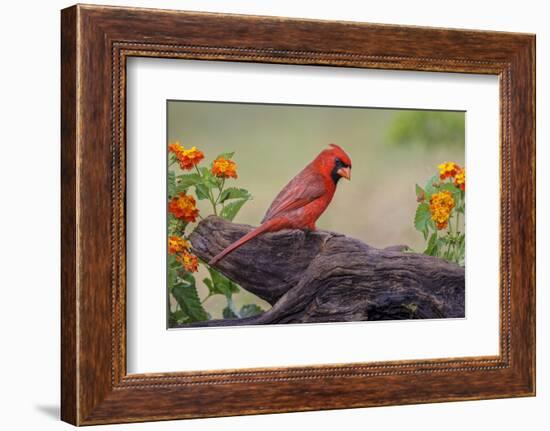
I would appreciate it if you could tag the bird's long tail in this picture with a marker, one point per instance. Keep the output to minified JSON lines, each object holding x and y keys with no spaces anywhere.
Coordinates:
{"x":252,"y":234}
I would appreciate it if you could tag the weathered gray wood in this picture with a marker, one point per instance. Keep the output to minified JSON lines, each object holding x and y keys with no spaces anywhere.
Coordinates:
{"x":327,"y":277}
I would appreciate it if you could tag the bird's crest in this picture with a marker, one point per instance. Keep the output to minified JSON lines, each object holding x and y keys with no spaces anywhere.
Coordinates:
{"x":340,"y":153}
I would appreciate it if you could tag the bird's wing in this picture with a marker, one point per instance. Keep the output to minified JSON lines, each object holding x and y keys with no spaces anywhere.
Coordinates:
{"x":301,"y":190}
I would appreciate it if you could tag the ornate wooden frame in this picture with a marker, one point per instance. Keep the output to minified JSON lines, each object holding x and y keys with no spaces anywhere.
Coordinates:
{"x":95,"y":42}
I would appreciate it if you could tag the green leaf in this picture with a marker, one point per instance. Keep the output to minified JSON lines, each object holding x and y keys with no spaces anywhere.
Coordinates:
{"x":172,"y":159}
{"x":185,"y":293}
{"x":176,"y":226}
{"x":172,"y":262}
{"x":183,"y":182}
{"x":230,"y":210}
{"x":430,"y":188}
{"x":234,"y":193}
{"x":208,"y":179}
{"x":454,"y":190}
{"x":202,"y":191}
{"x":421,"y":218}
{"x":250,"y":310}
{"x":441,"y":247}
{"x":226,"y":155}
{"x":178,"y":317}
{"x":421,"y":194}
{"x":173,"y":266}
{"x":219,"y":284}
{"x":228,"y":313}
{"x":450,"y":187}
{"x":209,"y":284}
{"x":431,"y":249}
{"x":171,"y":183}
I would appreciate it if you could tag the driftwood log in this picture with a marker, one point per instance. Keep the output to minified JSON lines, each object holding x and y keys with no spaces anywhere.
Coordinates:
{"x":327,"y":277}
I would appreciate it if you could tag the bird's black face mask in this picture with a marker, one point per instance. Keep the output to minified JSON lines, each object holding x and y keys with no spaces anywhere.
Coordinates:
{"x":340,"y":170}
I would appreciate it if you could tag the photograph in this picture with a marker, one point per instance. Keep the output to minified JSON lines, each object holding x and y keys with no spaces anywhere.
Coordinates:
{"x":280,"y":213}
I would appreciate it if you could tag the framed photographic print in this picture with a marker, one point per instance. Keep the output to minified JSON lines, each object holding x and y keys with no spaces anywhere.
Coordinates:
{"x":322,"y":214}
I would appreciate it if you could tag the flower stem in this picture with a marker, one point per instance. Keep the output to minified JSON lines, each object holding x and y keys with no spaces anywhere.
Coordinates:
{"x":448,"y":252}
{"x":455,"y":244}
{"x":210,"y":194}
{"x":221,"y":190}
{"x":204,"y":300}
{"x":212,"y":201}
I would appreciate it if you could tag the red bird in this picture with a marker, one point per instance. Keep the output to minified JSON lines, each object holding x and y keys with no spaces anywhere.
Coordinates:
{"x":303,"y":199}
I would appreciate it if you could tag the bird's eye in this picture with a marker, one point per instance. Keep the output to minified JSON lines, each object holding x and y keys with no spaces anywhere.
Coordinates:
{"x":339,"y":163}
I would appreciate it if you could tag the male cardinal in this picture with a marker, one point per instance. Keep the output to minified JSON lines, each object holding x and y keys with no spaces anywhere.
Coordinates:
{"x":303,"y":199}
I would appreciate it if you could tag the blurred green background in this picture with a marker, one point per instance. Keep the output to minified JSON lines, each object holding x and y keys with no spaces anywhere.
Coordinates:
{"x":391,"y":151}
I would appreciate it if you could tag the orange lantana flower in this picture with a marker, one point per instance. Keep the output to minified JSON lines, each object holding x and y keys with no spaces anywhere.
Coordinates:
{"x":441,"y":205}
{"x":175,"y":148}
{"x":186,"y":158}
{"x":460,"y":179}
{"x":177,"y":244}
{"x":184,"y":207}
{"x":189,"y":261}
{"x":189,"y":158}
{"x":448,"y":170}
{"x":224,"y":168}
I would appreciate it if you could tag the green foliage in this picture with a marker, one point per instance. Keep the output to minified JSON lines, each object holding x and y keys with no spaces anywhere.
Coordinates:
{"x":202,"y":191}
{"x":185,"y":293}
{"x":428,"y":128}
{"x":173,"y":267}
{"x":219,"y":284}
{"x":171,"y":184}
{"x":230,"y":210}
{"x":238,"y":198}
{"x":234,"y":193}
{"x":250,"y":310}
{"x":177,"y":317}
{"x":226,"y":202}
{"x":431,"y":186}
{"x":228,"y":313}
{"x":446,"y":241}
{"x":422,"y":219}
{"x":210,"y":180}
{"x":185,"y":181}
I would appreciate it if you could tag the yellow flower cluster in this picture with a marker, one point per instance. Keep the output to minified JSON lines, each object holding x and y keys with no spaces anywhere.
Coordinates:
{"x":189,"y":261}
{"x":448,"y":170}
{"x":453,"y":171}
{"x":186,"y":158}
{"x":224,"y":168}
{"x":181,"y":248}
{"x":441,"y":205}
{"x":177,"y":244}
{"x":460,"y":179}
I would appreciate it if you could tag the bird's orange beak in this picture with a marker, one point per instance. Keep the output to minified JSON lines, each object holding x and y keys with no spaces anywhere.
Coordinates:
{"x":344,"y":172}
